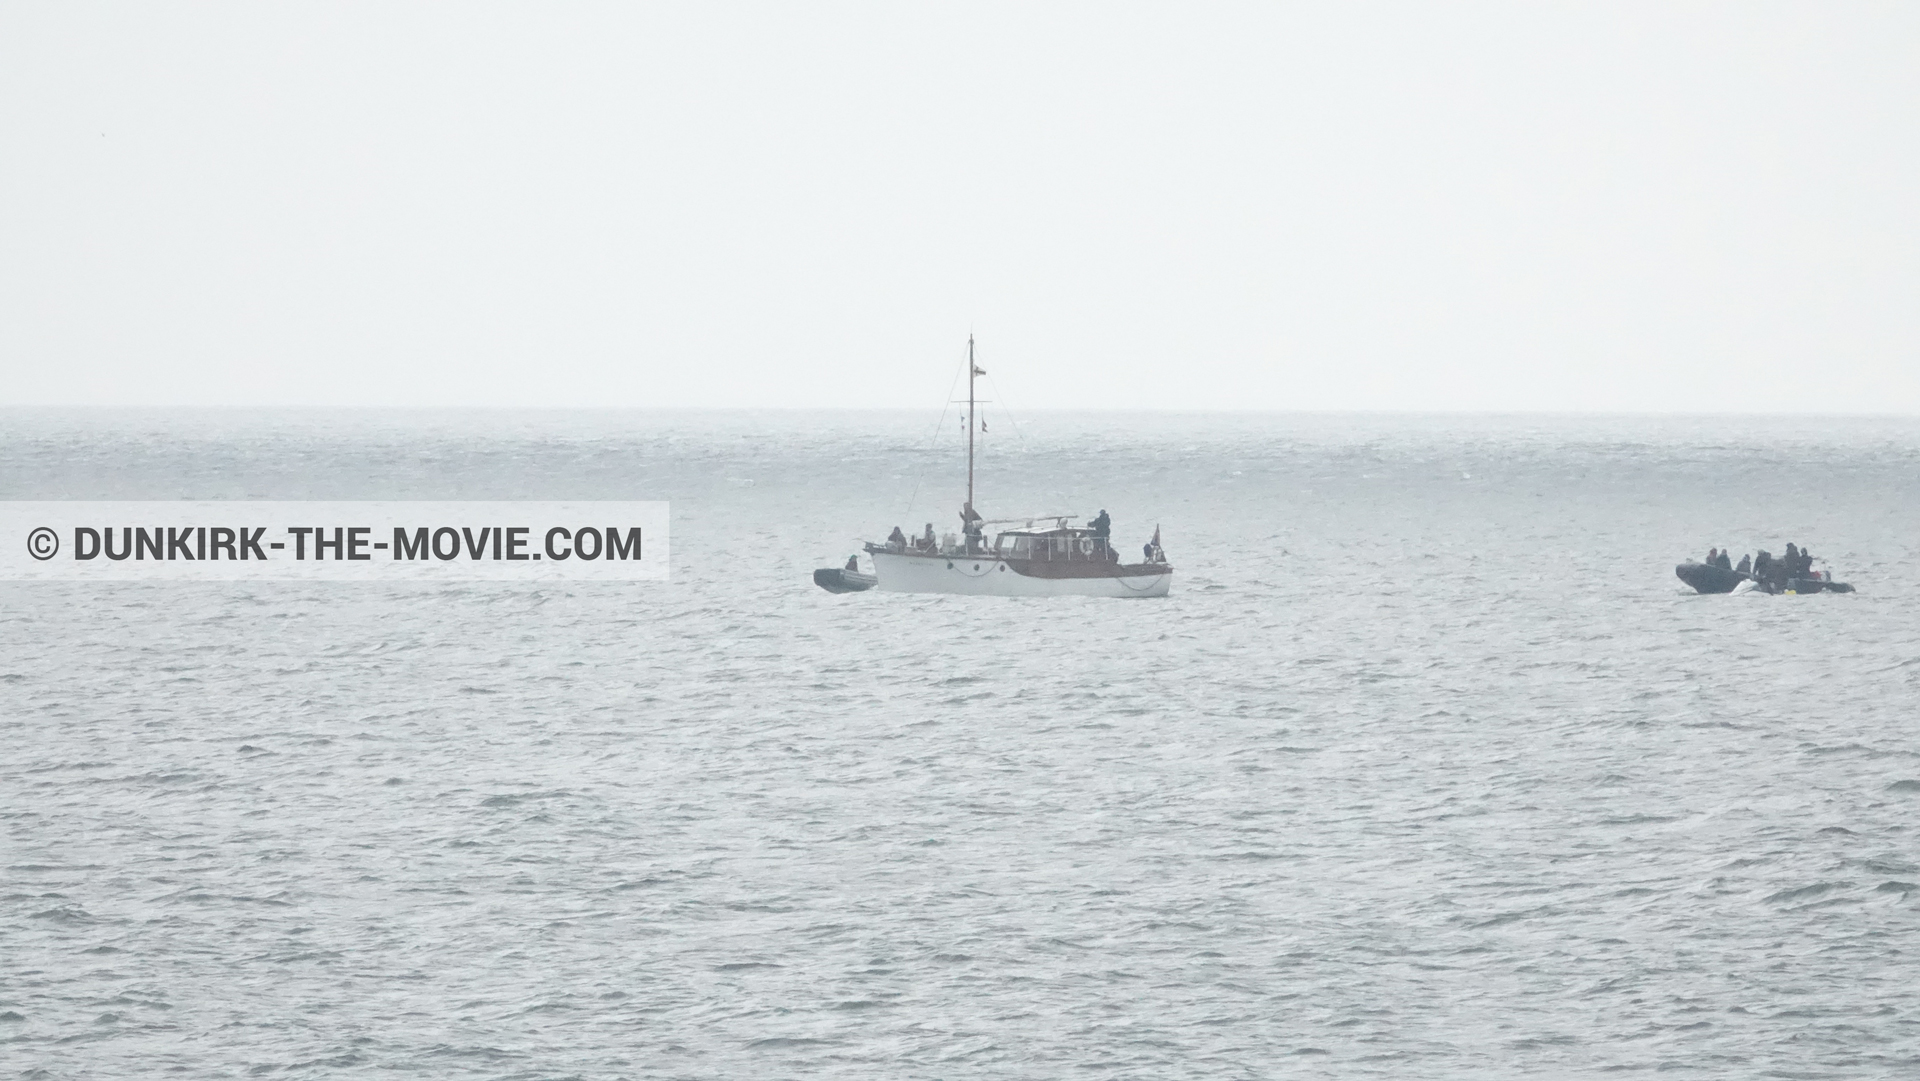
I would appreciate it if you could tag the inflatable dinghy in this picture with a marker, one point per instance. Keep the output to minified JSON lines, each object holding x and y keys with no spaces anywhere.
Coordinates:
{"x":842,"y":580}
{"x":1707,"y":578}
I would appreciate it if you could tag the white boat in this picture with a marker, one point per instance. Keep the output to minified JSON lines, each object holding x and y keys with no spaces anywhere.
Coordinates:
{"x":1026,"y":559}
{"x":1060,"y":561}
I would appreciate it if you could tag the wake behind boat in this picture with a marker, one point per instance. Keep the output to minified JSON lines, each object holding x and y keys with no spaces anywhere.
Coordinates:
{"x":1025,"y":559}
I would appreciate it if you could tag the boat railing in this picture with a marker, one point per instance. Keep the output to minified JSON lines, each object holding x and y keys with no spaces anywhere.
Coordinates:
{"x":1038,"y":549}
{"x":1060,"y":520}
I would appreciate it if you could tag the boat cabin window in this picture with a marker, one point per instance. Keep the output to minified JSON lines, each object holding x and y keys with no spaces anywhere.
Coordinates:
{"x":1062,"y":545}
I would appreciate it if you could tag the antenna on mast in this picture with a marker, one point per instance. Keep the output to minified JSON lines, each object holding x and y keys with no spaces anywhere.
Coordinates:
{"x":971,"y":373}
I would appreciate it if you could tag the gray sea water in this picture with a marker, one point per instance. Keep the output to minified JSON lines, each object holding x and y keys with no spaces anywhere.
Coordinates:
{"x":1428,"y":767}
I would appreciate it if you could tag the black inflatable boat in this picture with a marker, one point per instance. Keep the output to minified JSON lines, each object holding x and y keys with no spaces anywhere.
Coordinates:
{"x":1707,"y":578}
{"x":841,"y":580}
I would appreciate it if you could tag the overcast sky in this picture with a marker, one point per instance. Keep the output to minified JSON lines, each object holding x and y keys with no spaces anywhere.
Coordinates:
{"x":1609,"y":206}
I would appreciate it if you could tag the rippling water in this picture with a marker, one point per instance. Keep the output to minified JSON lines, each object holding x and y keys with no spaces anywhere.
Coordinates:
{"x":1428,"y":768}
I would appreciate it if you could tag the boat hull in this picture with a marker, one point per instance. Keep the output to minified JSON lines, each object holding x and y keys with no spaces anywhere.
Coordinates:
{"x":841,"y":580}
{"x":1803,"y":586}
{"x":989,"y":576}
{"x":1706,"y":578}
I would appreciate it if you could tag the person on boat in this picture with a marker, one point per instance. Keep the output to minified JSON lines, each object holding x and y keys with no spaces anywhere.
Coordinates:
{"x":970,"y":525}
{"x":1713,"y":557}
{"x":1725,"y":562}
{"x":926,"y":539}
{"x":897,"y":540}
{"x":853,"y":563}
{"x":1774,"y":573}
{"x":1746,"y":564}
{"x":1793,"y":560}
{"x":1146,"y":552}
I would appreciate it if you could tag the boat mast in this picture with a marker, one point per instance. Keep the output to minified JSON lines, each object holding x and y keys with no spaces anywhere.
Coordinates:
{"x":971,"y":372}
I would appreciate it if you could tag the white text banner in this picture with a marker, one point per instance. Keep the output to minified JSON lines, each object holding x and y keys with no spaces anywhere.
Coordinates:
{"x":372,"y":541}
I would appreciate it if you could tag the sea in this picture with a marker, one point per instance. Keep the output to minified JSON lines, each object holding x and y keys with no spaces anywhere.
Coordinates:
{"x":1429,"y":767}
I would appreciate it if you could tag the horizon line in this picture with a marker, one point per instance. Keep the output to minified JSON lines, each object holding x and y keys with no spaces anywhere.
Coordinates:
{"x":846,"y":409}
